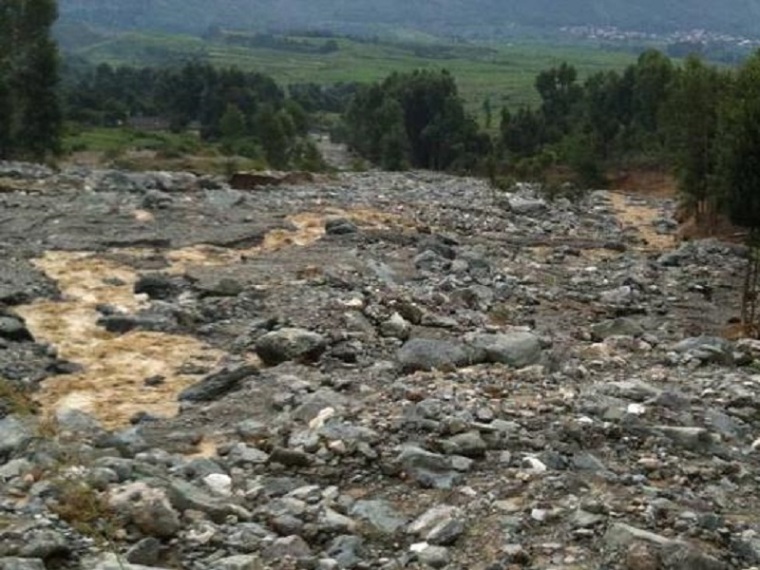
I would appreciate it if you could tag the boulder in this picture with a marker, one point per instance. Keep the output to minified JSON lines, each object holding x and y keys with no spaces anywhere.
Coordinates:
{"x":290,"y":344}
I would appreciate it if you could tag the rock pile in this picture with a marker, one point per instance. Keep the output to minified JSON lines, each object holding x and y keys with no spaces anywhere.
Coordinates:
{"x":455,"y":382}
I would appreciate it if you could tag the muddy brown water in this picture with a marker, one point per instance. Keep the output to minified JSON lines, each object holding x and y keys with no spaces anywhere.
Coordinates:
{"x":111,"y":386}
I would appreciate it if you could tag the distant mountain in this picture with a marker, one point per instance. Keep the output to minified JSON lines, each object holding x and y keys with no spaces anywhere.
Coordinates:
{"x":442,"y":16}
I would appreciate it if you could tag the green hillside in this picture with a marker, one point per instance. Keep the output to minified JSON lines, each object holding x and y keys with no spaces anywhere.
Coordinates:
{"x":503,"y":73}
{"x":465,"y":17}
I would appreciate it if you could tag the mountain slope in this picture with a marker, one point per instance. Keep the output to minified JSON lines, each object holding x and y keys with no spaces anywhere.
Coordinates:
{"x":731,"y":16}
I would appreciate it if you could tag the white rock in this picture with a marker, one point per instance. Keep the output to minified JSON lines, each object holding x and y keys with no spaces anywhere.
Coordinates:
{"x":219,"y":483}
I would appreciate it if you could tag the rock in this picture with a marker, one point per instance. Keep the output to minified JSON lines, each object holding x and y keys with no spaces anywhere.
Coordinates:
{"x":525,"y":206}
{"x":432,"y":556}
{"x":293,"y":547}
{"x":219,"y":484}
{"x":78,"y":423}
{"x":468,"y":444}
{"x":692,"y":438}
{"x":290,"y":344}
{"x":184,"y":496}
{"x":218,"y":383}
{"x":45,"y":544}
{"x":240,"y":562}
{"x":13,"y":328}
{"x":290,"y":457}
{"x":21,"y":564}
{"x":441,"y":525}
{"x":156,"y":286}
{"x":147,"y":508}
{"x":114,"y":562}
{"x":156,"y":200}
{"x":623,"y":535}
{"x":396,"y":327}
{"x":622,"y":326}
{"x":429,"y":469}
{"x":684,"y":557}
{"x":430,"y":354}
{"x":223,"y":287}
{"x":14,"y":436}
{"x":517,"y":349}
{"x":146,"y":552}
{"x":340,"y":226}
{"x":346,"y":550}
{"x":380,"y":514}
{"x":707,"y":349}
{"x":335,"y":522}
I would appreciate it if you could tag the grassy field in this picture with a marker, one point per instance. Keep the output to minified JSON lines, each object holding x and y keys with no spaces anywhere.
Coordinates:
{"x":503,"y":73}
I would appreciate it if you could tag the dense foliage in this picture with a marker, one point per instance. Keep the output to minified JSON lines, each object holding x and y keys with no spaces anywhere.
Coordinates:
{"x":415,"y":120}
{"x":30,"y":118}
{"x":247,"y":112}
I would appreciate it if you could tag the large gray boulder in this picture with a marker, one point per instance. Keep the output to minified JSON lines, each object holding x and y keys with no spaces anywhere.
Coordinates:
{"x":516,"y":349}
{"x":432,"y":354}
{"x":290,"y":344}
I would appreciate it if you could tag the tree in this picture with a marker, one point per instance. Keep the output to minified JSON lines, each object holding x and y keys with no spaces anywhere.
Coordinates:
{"x":31,"y":116}
{"x":739,"y":171}
{"x":559,"y":96}
{"x":691,"y":124}
{"x":417,"y":114}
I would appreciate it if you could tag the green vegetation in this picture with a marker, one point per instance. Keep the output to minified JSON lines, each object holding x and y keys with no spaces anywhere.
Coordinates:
{"x":244,"y":114}
{"x":504,"y":73}
{"x":30,"y":118}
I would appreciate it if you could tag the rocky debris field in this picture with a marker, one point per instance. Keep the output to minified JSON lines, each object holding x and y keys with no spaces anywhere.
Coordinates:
{"x":370,"y":370}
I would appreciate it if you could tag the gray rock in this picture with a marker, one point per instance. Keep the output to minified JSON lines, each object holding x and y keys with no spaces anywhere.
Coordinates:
{"x":431,"y":354}
{"x":156,"y":200}
{"x":293,"y":547}
{"x":433,"y":556}
{"x":396,"y":327}
{"x":441,"y":525}
{"x":45,"y":544}
{"x":707,"y":349}
{"x":346,"y":550}
{"x":156,"y":286}
{"x":516,"y":349}
{"x":21,"y":564}
{"x":290,"y":344}
{"x":468,"y":444}
{"x":334,"y":522}
{"x":526,"y":206}
{"x":78,"y":423}
{"x":14,"y":435}
{"x":13,"y":328}
{"x":685,"y":557}
{"x":240,"y":562}
{"x":623,"y":535}
{"x":185,"y":496}
{"x":621,"y":326}
{"x":147,"y":508}
{"x":429,"y":469}
{"x":691,"y":438}
{"x":380,"y":514}
{"x":218,"y":383}
{"x":114,"y":562}
{"x":620,"y":296}
{"x":340,"y":226}
{"x":146,"y":552}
